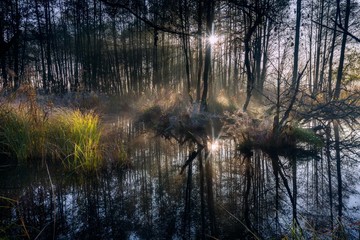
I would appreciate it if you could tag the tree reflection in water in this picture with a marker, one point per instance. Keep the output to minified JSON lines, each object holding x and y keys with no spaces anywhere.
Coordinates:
{"x":220,"y":194}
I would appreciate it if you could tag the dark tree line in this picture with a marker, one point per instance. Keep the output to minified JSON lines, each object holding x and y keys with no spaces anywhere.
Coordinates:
{"x":136,"y":46}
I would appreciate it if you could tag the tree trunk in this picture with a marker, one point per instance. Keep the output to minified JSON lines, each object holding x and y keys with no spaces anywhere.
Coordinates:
{"x":265,"y":49}
{"x":41,"y":42}
{"x":331,"y":57}
{"x":318,"y":51}
{"x":184,"y":17}
{"x":336,"y":96}
{"x":294,"y":175}
{"x":48,"y":44}
{"x":247,"y":160}
{"x":207,"y":64}
{"x":187,"y":211}
{"x":202,"y":196}
{"x":296,"y":46}
{"x":210,"y":195}
{"x":116,"y":54}
{"x":16,"y":47}
{"x":3,"y":50}
{"x":342,"y":51}
{"x":338,"y":169}
{"x":200,"y":51}
{"x":328,"y":158}
{"x":247,"y":48}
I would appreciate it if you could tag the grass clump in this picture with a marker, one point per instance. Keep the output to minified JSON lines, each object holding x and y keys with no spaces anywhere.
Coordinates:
{"x":75,"y":136}
{"x":22,"y":134}
{"x":14,"y":134}
{"x":28,"y":135}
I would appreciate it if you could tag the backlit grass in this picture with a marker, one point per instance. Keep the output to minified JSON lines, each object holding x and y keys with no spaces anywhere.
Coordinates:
{"x":75,"y":136}
{"x":67,"y":135}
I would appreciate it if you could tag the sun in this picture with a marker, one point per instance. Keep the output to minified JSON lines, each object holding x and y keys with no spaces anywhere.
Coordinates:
{"x":214,"y":146}
{"x":213,"y":39}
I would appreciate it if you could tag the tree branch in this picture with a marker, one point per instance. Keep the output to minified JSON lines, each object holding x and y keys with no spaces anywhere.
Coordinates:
{"x":118,"y":4}
{"x":340,"y":27}
{"x":293,"y":99}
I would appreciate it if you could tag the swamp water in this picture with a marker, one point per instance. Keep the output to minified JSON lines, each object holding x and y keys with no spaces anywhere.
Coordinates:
{"x":152,"y":200}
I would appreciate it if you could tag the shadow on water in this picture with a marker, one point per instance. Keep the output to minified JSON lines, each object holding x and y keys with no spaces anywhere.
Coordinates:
{"x":221,"y":193}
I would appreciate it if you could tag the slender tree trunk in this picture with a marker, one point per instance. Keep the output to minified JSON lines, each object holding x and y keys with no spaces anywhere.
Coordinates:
{"x":200,"y":50}
{"x":184,"y":16}
{"x":207,"y":64}
{"x":318,"y":50}
{"x":252,"y":26}
{"x":331,"y":57}
{"x":325,"y":52}
{"x":3,"y":48}
{"x":337,"y":96}
{"x":16,"y":47}
{"x":236,"y":72}
{"x":328,"y":158}
{"x":202,"y":196}
{"x":48,"y":44}
{"x":210,"y":195}
{"x":187,"y":211}
{"x":117,"y":62}
{"x":310,"y":76}
{"x":294,"y":175}
{"x":338,"y":169}
{"x":267,"y":33}
{"x":294,"y":88}
{"x":316,"y":183}
{"x":257,"y":60}
{"x":296,"y":46}
{"x":275,"y":166}
{"x":247,"y":160}
{"x":342,"y":51}
{"x":41,"y":42}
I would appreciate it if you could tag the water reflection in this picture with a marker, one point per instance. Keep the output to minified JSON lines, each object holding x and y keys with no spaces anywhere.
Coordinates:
{"x":229,"y":196}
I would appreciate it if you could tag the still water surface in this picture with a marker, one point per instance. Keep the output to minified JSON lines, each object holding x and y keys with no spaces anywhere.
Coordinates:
{"x":152,"y":200}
